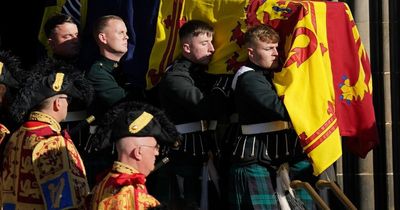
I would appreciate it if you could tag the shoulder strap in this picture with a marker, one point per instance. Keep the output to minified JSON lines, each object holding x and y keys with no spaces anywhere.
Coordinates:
{"x":242,"y":70}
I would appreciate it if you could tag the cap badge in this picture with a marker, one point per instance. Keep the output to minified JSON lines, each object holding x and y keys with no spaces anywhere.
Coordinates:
{"x":140,"y":122}
{"x":58,"y":82}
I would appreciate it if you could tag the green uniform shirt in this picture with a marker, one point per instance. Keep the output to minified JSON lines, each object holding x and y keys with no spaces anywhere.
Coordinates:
{"x":101,"y":77}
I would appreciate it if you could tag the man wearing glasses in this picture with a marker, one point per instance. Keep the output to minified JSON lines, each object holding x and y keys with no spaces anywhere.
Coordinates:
{"x":42,"y":169}
{"x":135,"y":129}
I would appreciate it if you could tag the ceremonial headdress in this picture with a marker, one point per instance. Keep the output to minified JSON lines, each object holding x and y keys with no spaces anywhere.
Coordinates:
{"x":49,"y":78}
{"x":134,"y":119}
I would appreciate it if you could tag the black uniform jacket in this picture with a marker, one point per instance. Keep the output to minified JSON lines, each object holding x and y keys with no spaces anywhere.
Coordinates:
{"x":256,"y":101}
{"x":186,"y":96}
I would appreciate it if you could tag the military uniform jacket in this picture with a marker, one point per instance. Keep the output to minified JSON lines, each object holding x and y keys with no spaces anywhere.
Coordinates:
{"x":107,"y":89}
{"x":256,"y":101}
{"x":185,"y":95}
{"x":124,"y":189}
{"x":42,"y":168}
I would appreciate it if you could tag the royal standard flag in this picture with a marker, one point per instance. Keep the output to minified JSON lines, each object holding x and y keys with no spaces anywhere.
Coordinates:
{"x":352,"y":81}
{"x":309,"y":66}
{"x":306,"y":78}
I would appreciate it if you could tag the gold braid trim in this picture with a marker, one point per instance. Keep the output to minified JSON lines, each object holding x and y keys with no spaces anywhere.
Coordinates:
{"x":42,"y":117}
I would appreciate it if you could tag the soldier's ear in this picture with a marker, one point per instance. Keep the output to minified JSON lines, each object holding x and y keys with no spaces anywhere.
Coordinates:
{"x":186,"y":48}
{"x":136,"y":153}
{"x":250,"y":52}
{"x":57,"y":104}
{"x":102,"y":38}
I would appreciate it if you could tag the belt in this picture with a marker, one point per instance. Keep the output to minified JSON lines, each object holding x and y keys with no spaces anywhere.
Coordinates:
{"x":76,"y":116}
{"x":201,"y":125}
{"x":265,"y":127}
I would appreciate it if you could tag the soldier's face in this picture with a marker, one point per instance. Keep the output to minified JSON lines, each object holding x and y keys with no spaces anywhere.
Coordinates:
{"x":200,"y":48}
{"x":116,"y":37}
{"x":148,"y":150}
{"x":264,"y":54}
{"x":64,"y":41}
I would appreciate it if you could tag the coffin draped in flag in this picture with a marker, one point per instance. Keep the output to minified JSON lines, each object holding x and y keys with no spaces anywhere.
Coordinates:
{"x":318,"y":81}
{"x":352,"y":81}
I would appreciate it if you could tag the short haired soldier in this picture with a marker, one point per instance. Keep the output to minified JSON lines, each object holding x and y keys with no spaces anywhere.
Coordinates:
{"x":111,"y":37}
{"x":63,"y":37}
{"x":266,"y":141}
{"x":188,"y":98}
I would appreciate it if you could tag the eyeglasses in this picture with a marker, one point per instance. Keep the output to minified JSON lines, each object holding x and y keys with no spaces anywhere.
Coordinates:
{"x":155,"y":147}
{"x":69,"y":99}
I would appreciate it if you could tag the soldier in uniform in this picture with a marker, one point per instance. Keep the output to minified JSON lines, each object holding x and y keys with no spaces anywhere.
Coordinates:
{"x":135,"y":129}
{"x":42,"y":168}
{"x":111,"y":36}
{"x":193,"y":106}
{"x":266,"y":139}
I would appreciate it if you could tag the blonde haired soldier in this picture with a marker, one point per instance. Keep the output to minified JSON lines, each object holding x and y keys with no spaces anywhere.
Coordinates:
{"x":266,"y":141}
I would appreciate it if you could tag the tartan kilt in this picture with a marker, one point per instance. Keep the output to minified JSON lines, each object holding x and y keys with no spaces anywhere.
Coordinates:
{"x":252,"y":186}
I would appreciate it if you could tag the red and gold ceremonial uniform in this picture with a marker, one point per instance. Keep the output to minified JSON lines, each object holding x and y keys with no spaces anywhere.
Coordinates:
{"x":42,"y":168}
{"x":123,"y":188}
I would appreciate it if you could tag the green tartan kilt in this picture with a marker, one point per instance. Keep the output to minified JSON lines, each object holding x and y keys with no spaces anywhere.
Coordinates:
{"x":252,"y":187}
